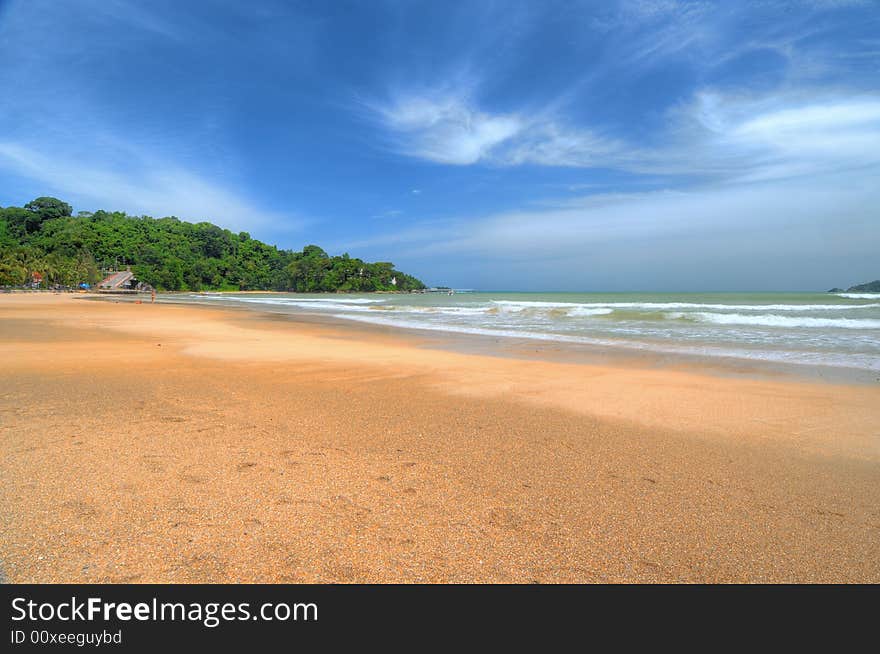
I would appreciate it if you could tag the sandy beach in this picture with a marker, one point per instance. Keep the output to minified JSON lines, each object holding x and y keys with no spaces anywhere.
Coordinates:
{"x":160,"y":443}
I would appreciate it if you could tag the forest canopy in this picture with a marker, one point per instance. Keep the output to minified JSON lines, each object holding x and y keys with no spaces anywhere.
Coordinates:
{"x":170,"y":254}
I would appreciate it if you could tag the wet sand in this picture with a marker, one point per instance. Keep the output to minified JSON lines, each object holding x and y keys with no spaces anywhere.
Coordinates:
{"x":158,"y":443}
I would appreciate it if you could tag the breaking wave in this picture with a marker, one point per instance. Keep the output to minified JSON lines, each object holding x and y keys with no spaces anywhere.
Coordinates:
{"x":661,"y":306}
{"x":771,"y":320}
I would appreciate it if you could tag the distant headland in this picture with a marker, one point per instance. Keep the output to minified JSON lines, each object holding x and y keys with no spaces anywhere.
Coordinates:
{"x":43,"y":245}
{"x":867,"y":287}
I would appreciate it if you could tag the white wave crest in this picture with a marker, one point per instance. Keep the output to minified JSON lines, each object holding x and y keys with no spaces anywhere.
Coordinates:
{"x":771,"y":320}
{"x":438,"y":310}
{"x":573,"y":310}
{"x":590,"y":311}
{"x":310,"y":300}
{"x":666,"y":306}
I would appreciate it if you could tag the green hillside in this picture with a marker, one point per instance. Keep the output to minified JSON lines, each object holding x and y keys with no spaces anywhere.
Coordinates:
{"x":170,"y":254}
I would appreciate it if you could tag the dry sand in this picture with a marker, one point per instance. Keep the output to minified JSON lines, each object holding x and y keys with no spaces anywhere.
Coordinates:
{"x":158,"y":443}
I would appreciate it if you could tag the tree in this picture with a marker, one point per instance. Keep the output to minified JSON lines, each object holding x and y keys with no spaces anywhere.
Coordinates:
{"x":49,"y":208}
{"x":42,"y":209}
{"x":20,"y":221}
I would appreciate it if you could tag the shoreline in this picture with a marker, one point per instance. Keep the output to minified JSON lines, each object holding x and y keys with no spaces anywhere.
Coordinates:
{"x":259,"y":337}
{"x":561,"y":351}
{"x":152,"y":443}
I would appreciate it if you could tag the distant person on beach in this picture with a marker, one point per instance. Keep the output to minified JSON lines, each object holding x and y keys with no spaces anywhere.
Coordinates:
{"x":152,"y":295}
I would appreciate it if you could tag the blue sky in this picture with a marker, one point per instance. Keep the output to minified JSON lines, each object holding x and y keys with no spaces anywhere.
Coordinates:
{"x":656,"y":145}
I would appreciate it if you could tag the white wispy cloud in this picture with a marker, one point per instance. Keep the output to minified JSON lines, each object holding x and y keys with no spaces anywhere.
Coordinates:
{"x":62,"y":133}
{"x":763,"y":160}
{"x":566,"y":228}
{"x":147,"y":185}
{"x":808,"y":120}
{"x":449,"y":129}
{"x":777,"y":136}
{"x":795,"y":233}
{"x":674,"y":26}
{"x":715,"y":134}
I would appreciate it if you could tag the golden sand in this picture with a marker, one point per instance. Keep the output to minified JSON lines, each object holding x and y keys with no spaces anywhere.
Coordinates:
{"x":158,"y":443}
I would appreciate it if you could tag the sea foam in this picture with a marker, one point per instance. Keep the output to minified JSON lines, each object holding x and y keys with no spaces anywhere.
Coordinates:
{"x":815,"y":329}
{"x":771,"y":320}
{"x":860,"y":296}
{"x":841,"y":360}
{"x":665,"y":306}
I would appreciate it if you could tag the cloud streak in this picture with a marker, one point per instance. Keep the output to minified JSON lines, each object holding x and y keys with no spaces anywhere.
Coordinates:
{"x":806,"y":118}
{"x":449,"y":129}
{"x":64,"y":130}
{"x":714,"y":134}
{"x":762,"y":235}
{"x":146,"y":186}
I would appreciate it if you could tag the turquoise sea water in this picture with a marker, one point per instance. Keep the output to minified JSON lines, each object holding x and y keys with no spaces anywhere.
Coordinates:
{"x":820,"y":329}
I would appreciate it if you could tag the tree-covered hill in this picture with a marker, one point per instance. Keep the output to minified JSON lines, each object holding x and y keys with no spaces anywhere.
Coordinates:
{"x":867,"y":287}
{"x":170,"y":254}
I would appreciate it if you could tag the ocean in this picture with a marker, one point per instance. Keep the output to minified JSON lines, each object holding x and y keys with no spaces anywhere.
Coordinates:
{"x":818,"y":329}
